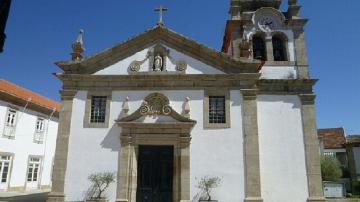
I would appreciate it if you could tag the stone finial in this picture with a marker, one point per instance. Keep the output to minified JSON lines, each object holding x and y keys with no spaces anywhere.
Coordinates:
{"x":78,"y":47}
{"x":125,"y":106}
{"x":187,"y":107}
{"x":294,"y":9}
{"x":292,"y":2}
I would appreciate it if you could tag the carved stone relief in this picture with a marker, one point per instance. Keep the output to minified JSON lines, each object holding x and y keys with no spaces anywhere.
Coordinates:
{"x":155,"y":104}
{"x":157,"y":57}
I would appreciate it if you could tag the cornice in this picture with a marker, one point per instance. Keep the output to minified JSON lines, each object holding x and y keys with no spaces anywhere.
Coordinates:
{"x":159,"y":34}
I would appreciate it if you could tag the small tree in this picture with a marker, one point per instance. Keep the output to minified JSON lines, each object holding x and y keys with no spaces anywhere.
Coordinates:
{"x":208,"y":183}
{"x":101,"y":182}
{"x":330,"y":168}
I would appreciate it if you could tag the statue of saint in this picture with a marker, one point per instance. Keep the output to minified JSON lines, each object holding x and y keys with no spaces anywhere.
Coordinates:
{"x":158,"y":63}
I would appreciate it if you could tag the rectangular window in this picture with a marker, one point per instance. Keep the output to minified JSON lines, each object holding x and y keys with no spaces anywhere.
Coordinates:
{"x":10,"y":123}
{"x":98,"y":109}
{"x":33,"y":169}
{"x":4,"y":167}
{"x":39,"y":130}
{"x":40,"y":125}
{"x":217,"y":109}
{"x":11,"y":118}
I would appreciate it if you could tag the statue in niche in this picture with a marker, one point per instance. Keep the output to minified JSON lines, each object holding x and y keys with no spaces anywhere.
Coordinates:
{"x":158,"y":63}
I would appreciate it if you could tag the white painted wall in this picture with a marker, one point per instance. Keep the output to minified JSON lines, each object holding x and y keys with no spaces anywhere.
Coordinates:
{"x":282,"y":155}
{"x":23,"y":146}
{"x":279,"y":72}
{"x":357,"y":159}
{"x":193,"y":66}
{"x":213,"y":152}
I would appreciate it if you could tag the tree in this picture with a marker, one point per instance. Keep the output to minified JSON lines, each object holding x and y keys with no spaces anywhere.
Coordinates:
{"x":330,"y":168}
{"x":207,"y":183}
{"x":101,"y":182}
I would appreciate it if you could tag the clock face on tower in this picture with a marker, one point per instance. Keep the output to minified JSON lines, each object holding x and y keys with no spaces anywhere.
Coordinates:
{"x":266,"y":23}
{"x":268,"y":19}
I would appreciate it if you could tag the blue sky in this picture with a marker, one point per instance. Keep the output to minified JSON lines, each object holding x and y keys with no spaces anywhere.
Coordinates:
{"x":40,"y":33}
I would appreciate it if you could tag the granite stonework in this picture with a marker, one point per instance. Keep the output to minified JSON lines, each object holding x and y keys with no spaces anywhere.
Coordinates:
{"x":145,"y":108}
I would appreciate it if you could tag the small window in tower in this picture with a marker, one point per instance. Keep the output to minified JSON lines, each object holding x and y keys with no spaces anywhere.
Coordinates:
{"x":279,"y":48}
{"x":259,"y":48}
{"x":98,"y":109}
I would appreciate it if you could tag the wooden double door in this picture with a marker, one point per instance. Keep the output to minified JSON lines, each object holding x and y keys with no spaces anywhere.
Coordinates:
{"x":155,"y":173}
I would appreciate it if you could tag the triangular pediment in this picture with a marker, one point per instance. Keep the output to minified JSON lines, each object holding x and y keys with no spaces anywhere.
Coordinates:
{"x":167,"y":38}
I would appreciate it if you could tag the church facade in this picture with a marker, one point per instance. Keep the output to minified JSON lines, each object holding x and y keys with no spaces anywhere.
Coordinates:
{"x":162,"y":111}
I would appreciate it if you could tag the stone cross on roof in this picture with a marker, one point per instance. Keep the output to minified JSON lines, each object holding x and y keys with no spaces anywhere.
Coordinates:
{"x":161,"y":9}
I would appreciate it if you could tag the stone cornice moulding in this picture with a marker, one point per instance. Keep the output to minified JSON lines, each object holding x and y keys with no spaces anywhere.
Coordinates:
{"x":156,"y":35}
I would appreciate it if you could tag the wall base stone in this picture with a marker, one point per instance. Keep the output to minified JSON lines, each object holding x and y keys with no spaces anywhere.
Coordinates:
{"x":253,"y":199}
{"x":55,"y":197}
{"x":319,"y":199}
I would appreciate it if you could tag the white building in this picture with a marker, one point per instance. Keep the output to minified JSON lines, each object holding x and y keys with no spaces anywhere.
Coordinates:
{"x":162,"y":111}
{"x":28,"y":127}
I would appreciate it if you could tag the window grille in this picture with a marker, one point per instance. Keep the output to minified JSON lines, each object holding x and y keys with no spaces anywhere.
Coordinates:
{"x":217,"y":109}
{"x":98,"y":109}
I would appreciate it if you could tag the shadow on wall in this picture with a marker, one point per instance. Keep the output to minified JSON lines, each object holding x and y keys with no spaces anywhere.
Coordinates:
{"x":112,"y":139}
{"x":294,"y":100}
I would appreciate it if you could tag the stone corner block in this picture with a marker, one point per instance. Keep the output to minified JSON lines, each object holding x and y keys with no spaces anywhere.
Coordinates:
{"x":253,"y":199}
{"x":316,"y":199}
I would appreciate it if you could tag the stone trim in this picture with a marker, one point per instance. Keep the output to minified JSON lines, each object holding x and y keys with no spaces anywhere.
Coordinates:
{"x":130,"y":140}
{"x":61,"y":153}
{"x":280,"y":63}
{"x":312,"y":154}
{"x":11,"y":167}
{"x":216,"y":92}
{"x":188,"y":82}
{"x":251,"y":146}
{"x":285,"y":41}
{"x":163,"y":35}
{"x":86,"y":122}
{"x":135,"y":133}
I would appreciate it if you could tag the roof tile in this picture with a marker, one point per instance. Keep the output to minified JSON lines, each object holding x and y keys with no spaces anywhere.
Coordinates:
{"x":25,"y":94}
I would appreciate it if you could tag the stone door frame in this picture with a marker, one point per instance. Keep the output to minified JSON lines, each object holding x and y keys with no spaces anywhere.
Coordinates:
{"x":171,"y":134}
{"x":175,"y":133}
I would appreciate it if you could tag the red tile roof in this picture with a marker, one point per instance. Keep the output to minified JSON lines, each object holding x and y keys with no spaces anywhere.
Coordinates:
{"x":25,"y":94}
{"x":353,"y":139}
{"x":333,"y":138}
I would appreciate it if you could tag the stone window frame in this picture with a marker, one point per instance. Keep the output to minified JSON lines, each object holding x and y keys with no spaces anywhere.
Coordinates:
{"x":216,"y":92}
{"x":285,"y":41}
{"x":12,"y":155}
{"x":87,"y":115}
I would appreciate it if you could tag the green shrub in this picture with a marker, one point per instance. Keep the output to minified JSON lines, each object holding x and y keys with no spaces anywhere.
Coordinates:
{"x":208,"y":183}
{"x":330,"y":168}
{"x":100,"y":182}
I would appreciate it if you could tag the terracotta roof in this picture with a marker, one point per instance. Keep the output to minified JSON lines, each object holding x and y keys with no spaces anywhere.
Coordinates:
{"x":25,"y":94}
{"x":353,"y":139}
{"x":333,"y":138}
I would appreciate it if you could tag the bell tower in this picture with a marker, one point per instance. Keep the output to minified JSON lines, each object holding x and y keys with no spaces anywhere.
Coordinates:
{"x":257,"y":29}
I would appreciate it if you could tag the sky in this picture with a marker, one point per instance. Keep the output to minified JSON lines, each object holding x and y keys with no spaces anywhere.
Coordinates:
{"x":40,"y":32}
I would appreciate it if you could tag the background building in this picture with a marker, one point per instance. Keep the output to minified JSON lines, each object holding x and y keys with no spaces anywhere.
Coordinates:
{"x":353,"y":149}
{"x":28,"y":127}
